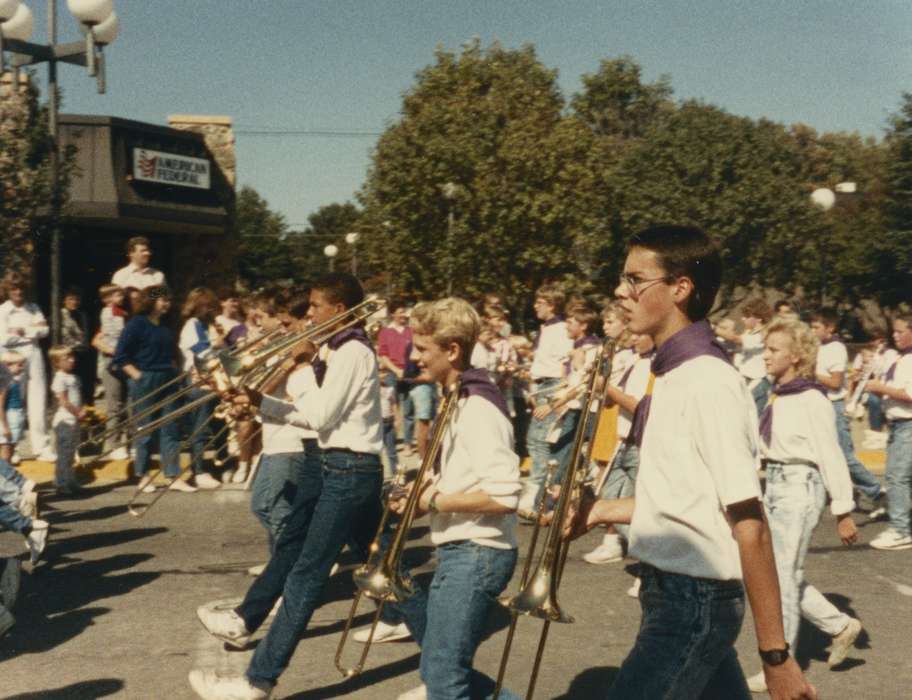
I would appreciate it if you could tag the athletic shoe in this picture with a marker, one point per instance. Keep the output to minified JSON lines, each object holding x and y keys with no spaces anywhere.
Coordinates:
{"x":757,"y":684}
{"x":6,"y":620}
{"x":877,"y":514}
{"x":256,"y":570}
{"x":28,"y":504}
{"x":37,"y":539}
{"x":239,"y":476}
{"x":211,"y":686}
{"x":226,"y":625}
{"x":46,"y":455}
{"x":608,"y":551}
{"x":28,"y":486}
{"x":119,"y":453}
{"x":10,"y":578}
{"x":383,"y":633}
{"x":634,"y":590}
{"x":419,"y":693}
{"x":15,"y":458}
{"x":206,"y":481}
{"x":890,"y":539}
{"x":843,"y":641}
{"x":182,"y":486}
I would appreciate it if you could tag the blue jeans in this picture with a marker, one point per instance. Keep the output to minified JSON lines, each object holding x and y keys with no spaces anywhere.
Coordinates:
{"x":899,"y":476}
{"x":564,"y":446}
{"x":876,"y":417}
{"x":11,"y":482}
{"x":275,"y":488}
{"x":347,"y":512}
{"x":169,"y":434}
{"x":424,"y":401}
{"x":201,"y":432}
{"x":685,"y":647}
{"x":864,"y":480}
{"x":389,"y":444}
{"x":408,"y":411}
{"x":15,"y":420}
{"x":448,"y":620}
{"x":794,"y":499}
{"x":12,"y":519}
{"x":621,"y":479}
{"x":539,"y":448}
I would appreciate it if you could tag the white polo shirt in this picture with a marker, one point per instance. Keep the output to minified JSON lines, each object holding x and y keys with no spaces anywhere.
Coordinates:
{"x":477,"y":455}
{"x":752,"y":364}
{"x":699,"y":454}
{"x":833,"y":357}
{"x":132,"y":276}
{"x":551,"y":352}
{"x":345,"y":410}
{"x":902,"y":379}
{"x":804,"y":428}
{"x":29,"y":318}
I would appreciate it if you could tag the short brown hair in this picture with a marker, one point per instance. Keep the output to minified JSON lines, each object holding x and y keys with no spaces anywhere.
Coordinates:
{"x":106,"y":290}
{"x":585,"y":315}
{"x":13,"y":280}
{"x":147,"y":297}
{"x":137,"y":240}
{"x":757,"y":308}
{"x":201,"y":303}
{"x":552,"y":294}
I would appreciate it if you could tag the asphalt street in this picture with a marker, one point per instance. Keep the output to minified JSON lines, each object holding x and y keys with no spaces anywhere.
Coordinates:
{"x":110,"y":611}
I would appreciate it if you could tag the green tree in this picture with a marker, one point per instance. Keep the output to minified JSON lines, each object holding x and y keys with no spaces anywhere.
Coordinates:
{"x":265,"y":254}
{"x":893,"y":253}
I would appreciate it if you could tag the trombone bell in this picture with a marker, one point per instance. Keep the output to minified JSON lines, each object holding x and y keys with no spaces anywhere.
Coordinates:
{"x":378,"y":584}
{"x":538,"y":599}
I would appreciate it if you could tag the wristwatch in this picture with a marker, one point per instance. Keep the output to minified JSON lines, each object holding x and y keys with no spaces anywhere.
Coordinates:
{"x":774,"y":657}
{"x":432,"y":504}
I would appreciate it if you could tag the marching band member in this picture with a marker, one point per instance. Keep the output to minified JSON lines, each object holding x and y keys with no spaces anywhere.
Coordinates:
{"x":696,"y":522}
{"x":472,"y":498}
{"x":803,"y":462}
{"x":345,"y":509}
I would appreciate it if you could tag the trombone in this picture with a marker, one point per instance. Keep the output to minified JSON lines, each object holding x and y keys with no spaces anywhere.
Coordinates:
{"x":537,"y":596}
{"x":380,"y":577}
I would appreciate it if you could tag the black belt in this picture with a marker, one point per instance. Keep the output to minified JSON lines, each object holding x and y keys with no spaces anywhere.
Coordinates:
{"x":346,"y":451}
{"x":800,"y":462}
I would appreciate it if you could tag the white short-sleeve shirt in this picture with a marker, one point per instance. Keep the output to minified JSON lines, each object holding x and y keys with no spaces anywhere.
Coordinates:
{"x":68,"y":385}
{"x":833,"y":357}
{"x":902,"y":379}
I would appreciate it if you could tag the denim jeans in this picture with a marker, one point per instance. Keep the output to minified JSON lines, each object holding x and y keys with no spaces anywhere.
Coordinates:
{"x":685,"y":647}
{"x":15,"y":421}
{"x":347,"y":512}
{"x":863,"y":480}
{"x":621,"y":479}
{"x":563,"y":447}
{"x":424,"y":401}
{"x":899,"y":476}
{"x":200,"y":427}
{"x":539,"y":448}
{"x":169,"y":434}
{"x":448,"y":619}
{"x":389,"y":444}
{"x":12,"y":519}
{"x":275,"y":488}
{"x":876,"y":417}
{"x":794,"y":499}
{"x":13,"y":480}
{"x":66,"y":436}
{"x":408,"y":411}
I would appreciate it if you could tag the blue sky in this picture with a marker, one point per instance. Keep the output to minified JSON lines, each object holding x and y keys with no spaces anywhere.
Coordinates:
{"x":343,"y":65}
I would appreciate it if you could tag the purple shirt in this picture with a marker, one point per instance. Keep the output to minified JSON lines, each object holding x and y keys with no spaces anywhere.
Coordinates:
{"x":393,"y":343}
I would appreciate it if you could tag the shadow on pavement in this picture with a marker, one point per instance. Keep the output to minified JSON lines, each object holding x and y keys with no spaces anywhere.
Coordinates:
{"x":84,"y":690}
{"x":813,"y":644}
{"x":591,"y":683}
{"x":72,"y":516}
{"x":58,"y":549}
{"x":362,"y":681}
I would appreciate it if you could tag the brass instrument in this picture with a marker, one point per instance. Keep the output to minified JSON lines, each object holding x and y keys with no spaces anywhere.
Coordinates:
{"x":382,"y":580}
{"x":537,"y":596}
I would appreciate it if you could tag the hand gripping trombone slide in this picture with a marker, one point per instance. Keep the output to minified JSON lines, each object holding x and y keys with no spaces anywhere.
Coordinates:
{"x":537,"y":596}
{"x":380,"y":578}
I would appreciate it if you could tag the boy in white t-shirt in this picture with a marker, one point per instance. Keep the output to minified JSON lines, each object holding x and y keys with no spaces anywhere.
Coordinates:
{"x":68,"y":394}
{"x":696,"y":522}
{"x":832,"y":363}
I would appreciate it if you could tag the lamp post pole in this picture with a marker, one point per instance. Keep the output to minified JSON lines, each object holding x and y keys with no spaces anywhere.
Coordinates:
{"x":352,"y":240}
{"x":450,"y":191}
{"x":331,"y":252}
{"x":825,"y":199}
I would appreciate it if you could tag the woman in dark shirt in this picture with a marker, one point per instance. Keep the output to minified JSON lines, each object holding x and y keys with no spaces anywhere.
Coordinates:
{"x":147,"y":354}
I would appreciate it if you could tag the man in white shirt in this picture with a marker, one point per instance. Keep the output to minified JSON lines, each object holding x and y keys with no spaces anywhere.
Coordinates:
{"x":552,"y":348}
{"x":896,"y":391}
{"x":344,"y":410}
{"x":696,"y":522}
{"x":832,"y":362}
{"x":137,"y":273}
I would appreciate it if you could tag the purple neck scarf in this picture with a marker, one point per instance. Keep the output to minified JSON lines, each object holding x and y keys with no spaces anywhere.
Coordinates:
{"x":888,"y":377}
{"x":688,"y":343}
{"x":337,"y":341}
{"x":796,"y":386}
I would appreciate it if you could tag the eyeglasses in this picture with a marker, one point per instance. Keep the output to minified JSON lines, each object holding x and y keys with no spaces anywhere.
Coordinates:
{"x":633,"y":283}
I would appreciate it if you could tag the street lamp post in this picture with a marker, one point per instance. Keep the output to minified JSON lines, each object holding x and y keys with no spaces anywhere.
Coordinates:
{"x":825,"y":199}
{"x":450,"y":192}
{"x":352,"y":240}
{"x":331,"y":252}
{"x":100,"y":25}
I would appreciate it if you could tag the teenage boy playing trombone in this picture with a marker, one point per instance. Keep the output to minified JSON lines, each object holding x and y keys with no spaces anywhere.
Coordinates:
{"x":471,"y":496}
{"x":696,"y":522}
{"x":345,"y":412}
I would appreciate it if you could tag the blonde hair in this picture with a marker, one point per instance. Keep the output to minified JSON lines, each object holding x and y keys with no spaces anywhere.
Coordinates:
{"x":11,"y":356}
{"x":803,"y":340}
{"x":449,"y":320}
{"x":57,"y":353}
{"x":106,"y":290}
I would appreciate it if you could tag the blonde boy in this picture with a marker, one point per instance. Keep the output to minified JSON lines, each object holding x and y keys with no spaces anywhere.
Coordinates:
{"x":65,"y":388}
{"x":12,"y":404}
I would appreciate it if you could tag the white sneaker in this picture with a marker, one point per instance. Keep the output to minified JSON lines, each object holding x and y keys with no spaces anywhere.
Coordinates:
{"x":227,"y":475}
{"x":28,"y":486}
{"x":383,"y":633}
{"x":145,"y":484}
{"x":182,"y":486}
{"x":608,"y":551}
{"x":206,"y":481}
{"x":119,"y":453}
{"x":877,"y":514}
{"x":15,"y":458}
{"x":634,"y":590}
{"x":226,"y":625}
{"x":419,"y":693}
{"x":211,"y":686}
{"x":46,"y":455}
{"x":256,"y":570}
{"x":28,"y":504}
{"x":757,"y":684}
{"x":890,"y":539}
{"x":843,"y":641}
{"x":240,"y":475}
{"x":37,"y":539}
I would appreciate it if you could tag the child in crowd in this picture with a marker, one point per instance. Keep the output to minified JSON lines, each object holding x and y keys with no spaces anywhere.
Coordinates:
{"x":66,"y":390}
{"x":605,"y":438}
{"x":803,"y":463}
{"x":12,"y":404}
{"x":74,"y":333}
{"x":113,"y":319}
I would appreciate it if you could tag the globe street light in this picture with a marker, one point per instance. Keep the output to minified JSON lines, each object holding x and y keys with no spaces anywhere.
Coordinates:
{"x":331,"y":252}
{"x":352,"y":240}
{"x":100,"y":26}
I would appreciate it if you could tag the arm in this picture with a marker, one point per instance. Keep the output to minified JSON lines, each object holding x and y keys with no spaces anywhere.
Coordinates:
{"x":99,"y":344}
{"x":124,"y":353}
{"x":833,"y":380}
{"x":828,"y":455}
{"x":38,"y":328}
{"x":762,"y":586}
{"x":4,"y":428}
{"x":66,"y":405}
{"x":890,"y":392}
{"x":626,"y":401}
{"x":475,"y":502}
